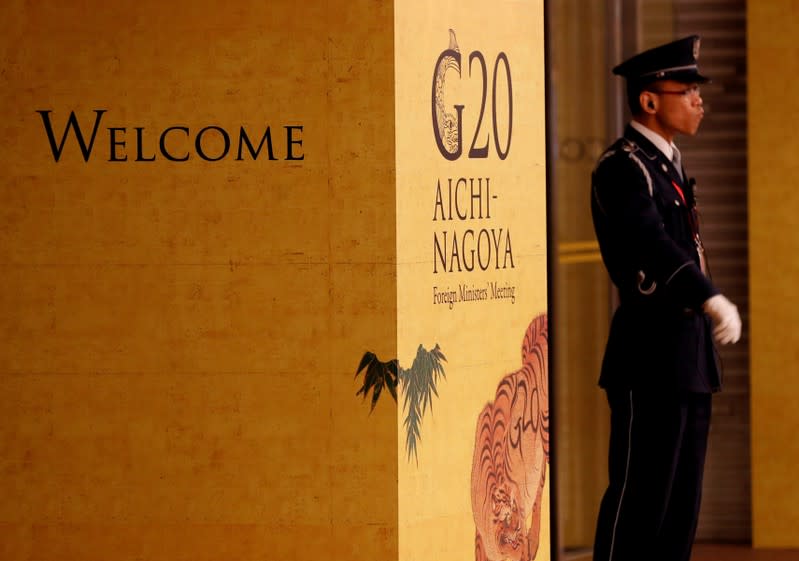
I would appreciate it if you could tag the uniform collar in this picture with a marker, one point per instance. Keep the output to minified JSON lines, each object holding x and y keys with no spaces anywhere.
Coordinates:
{"x":658,"y":141}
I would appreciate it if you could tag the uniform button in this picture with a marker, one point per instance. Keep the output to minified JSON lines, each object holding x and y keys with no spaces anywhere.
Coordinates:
{"x":664,"y":167}
{"x":677,"y":203}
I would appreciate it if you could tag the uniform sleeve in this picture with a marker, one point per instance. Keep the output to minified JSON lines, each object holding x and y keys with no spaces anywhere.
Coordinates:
{"x":634,"y":224}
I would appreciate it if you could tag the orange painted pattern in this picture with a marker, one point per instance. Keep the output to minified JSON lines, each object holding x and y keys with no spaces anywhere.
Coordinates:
{"x":510,"y":457}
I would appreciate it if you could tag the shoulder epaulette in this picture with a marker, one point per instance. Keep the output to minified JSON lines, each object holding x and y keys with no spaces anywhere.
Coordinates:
{"x":630,"y":148}
{"x":641,"y":165}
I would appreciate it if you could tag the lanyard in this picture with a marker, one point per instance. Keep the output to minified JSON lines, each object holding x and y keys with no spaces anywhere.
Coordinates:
{"x":694,"y":228}
{"x":679,"y":192}
{"x":691,"y":213}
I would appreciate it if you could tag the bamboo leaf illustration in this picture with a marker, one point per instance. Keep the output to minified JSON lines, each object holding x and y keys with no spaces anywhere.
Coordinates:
{"x":412,"y":421}
{"x":368,"y":357}
{"x":418,"y":383}
{"x":393,"y":380}
{"x":377,"y":374}
{"x":376,"y":394}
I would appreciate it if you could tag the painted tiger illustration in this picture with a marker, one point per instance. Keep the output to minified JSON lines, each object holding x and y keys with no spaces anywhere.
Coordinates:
{"x":511,"y":454}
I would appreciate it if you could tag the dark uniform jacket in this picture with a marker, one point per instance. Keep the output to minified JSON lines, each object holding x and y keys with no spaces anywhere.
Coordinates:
{"x":645,"y":221}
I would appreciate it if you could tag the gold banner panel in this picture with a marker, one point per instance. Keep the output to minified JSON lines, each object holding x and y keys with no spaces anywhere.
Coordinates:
{"x":473,"y":448}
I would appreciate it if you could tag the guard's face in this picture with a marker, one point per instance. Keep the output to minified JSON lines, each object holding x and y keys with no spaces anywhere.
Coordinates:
{"x":679,"y":106}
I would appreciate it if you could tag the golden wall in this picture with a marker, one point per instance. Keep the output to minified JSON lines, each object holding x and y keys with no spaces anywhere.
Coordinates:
{"x":773,"y":64}
{"x":211,"y":211}
{"x":179,"y":338}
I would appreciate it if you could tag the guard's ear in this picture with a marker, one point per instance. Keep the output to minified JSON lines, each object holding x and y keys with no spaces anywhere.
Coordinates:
{"x":647,"y":101}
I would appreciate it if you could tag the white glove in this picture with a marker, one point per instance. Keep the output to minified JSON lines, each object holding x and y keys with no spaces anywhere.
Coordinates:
{"x":726,"y":321}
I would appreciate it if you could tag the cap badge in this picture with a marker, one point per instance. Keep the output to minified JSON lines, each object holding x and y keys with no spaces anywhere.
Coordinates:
{"x":697,"y":42}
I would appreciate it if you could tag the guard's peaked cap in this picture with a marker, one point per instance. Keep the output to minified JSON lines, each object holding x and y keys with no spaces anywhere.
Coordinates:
{"x":673,"y":61}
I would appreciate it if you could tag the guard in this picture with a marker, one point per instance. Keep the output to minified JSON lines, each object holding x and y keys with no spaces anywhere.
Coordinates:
{"x":659,"y":369}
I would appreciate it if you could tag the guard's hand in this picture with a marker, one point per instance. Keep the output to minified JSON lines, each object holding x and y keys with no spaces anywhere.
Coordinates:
{"x":726,"y":320}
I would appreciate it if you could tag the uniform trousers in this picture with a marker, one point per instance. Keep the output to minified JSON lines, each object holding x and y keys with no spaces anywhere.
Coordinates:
{"x":658,"y":442}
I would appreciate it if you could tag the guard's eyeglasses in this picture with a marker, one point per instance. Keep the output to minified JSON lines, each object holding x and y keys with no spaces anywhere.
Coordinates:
{"x":687,"y":92}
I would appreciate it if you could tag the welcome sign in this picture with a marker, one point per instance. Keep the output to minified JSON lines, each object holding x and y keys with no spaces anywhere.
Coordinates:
{"x":167,"y":142}
{"x":274,"y":282}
